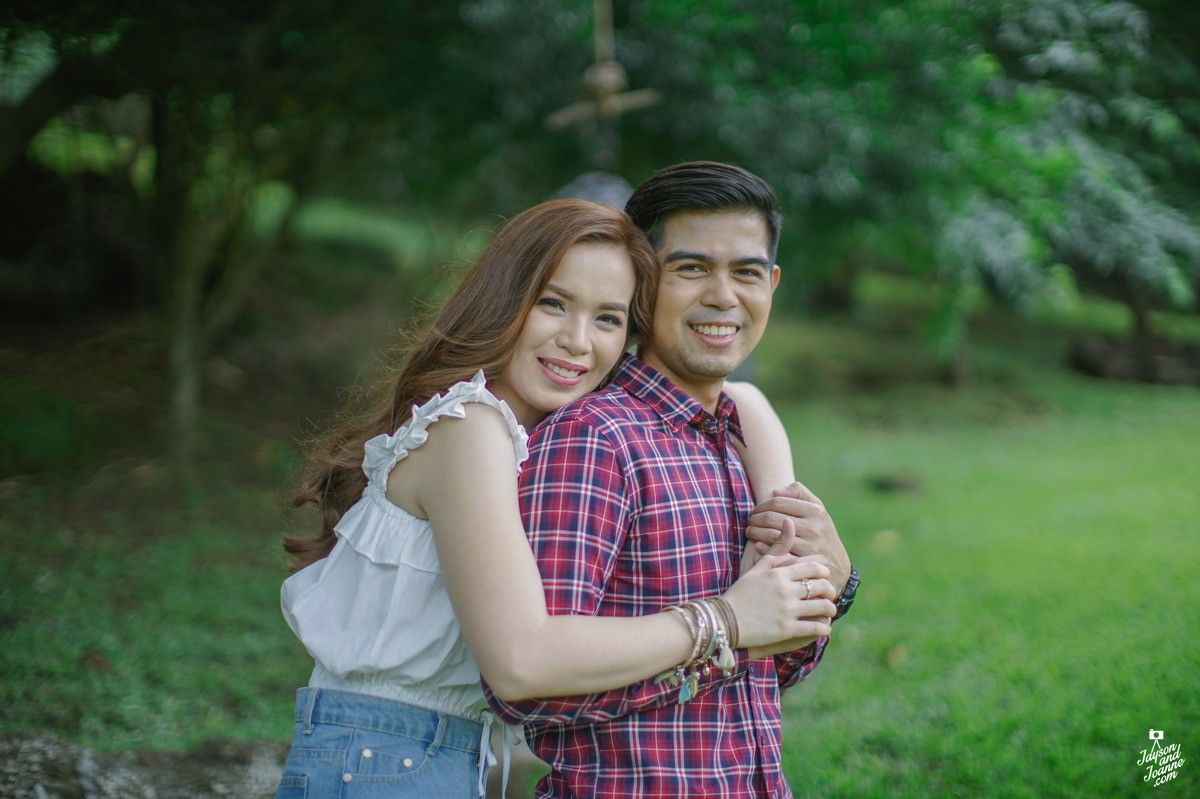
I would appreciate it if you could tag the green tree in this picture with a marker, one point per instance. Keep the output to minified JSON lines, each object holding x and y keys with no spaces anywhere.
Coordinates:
{"x":241,"y":109}
{"x":1126,"y":119}
{"x":1019,"y":136}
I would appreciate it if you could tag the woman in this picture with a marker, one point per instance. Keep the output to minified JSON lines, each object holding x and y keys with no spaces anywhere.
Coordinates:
{"x":421,"y":577}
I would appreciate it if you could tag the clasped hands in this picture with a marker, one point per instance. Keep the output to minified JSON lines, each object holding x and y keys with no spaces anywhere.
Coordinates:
{"x":795,"y":521}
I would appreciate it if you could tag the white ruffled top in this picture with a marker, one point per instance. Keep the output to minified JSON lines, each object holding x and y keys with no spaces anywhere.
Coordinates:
{"x":374,"y":614}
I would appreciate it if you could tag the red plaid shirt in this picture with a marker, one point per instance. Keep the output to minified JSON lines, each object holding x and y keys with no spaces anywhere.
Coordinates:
{"x":634,"y":499}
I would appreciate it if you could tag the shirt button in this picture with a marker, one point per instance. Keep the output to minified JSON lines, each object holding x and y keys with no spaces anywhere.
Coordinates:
{"x":347,"y":777}
{"x":367,"y":753}
{"x":408,"y":762}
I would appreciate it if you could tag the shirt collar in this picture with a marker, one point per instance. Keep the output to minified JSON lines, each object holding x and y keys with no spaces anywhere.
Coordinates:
{"x":674,"y":405}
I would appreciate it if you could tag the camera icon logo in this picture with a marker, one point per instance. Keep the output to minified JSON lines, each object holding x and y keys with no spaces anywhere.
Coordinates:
{"x":1156,"y":735}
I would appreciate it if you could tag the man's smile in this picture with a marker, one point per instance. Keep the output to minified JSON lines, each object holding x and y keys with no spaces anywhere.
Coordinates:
{"x":716,"y":331}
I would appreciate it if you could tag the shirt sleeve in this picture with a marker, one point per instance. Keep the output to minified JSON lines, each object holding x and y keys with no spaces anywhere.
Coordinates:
{"x":577,"y":510}
{"x":795,"y":667}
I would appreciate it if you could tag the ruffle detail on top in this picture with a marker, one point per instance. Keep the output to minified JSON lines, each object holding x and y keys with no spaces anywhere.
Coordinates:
{"x":384,"y":451}
{"x":362,"y":525}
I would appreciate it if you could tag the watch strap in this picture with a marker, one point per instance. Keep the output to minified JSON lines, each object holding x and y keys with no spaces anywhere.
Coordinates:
{"x":846,"y":598}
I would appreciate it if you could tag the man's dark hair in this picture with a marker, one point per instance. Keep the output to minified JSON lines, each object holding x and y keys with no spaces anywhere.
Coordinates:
{"x":702,"y":186}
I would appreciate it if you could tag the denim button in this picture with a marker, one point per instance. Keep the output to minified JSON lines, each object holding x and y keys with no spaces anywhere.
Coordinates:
{"x":347,"y":777}
{"x":408,"y":762}
{"x":367,"y":753}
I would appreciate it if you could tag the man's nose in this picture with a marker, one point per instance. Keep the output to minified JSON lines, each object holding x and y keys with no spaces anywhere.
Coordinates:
{"x":719,"y":292}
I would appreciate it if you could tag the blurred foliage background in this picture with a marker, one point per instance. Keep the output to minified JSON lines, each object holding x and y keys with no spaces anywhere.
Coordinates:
{"x":212,"y":212}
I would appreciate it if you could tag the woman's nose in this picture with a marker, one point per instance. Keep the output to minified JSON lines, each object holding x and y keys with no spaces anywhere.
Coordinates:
{"x":573,"y":337}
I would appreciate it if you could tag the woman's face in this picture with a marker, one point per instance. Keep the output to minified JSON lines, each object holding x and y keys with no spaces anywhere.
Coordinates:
{"x":574,"y":334}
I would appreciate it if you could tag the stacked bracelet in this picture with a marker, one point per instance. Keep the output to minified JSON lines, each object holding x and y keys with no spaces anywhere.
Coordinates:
{"x":714,"y":630}
{"x":728,"y":617}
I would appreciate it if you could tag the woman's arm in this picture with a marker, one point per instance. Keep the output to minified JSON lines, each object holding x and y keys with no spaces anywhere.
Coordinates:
{"x":463,"y":479}
{"x":767,"y":454}
{"x":768,"y":462}
{"x":767,"y":457}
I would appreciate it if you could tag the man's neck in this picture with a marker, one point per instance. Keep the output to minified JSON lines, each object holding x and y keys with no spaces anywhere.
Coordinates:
{"x":704,"y":390}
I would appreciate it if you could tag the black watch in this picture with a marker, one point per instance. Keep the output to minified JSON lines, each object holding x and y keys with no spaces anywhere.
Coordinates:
{"x":847,"y":597}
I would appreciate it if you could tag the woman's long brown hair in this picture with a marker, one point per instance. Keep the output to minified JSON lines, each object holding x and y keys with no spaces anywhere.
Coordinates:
{"x":477,"y":328}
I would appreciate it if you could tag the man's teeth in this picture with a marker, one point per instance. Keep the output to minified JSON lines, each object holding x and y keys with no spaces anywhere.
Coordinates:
{"x":561,"y":372}
{"x":715,"y":330}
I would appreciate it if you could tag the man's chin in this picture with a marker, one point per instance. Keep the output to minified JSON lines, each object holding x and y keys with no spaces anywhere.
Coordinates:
{"x":714,"y":368}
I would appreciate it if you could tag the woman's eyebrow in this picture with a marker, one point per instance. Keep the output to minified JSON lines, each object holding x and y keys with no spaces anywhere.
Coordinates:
{"x":570,"y":295}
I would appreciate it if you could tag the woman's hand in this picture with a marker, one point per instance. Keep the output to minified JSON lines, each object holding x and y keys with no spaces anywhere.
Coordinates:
{"x":782,"y":602}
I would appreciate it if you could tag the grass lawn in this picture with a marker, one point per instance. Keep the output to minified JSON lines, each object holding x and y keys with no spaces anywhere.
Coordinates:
{"x":1030,"y":603}
{"x":1028,"y":547}
{"x":144,"y":627}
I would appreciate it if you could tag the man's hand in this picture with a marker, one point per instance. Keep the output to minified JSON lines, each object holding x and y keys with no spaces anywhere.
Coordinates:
{"x":815,"y":531}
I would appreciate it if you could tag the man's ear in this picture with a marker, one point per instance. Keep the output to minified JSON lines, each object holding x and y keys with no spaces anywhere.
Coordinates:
{"x":775,"y":273}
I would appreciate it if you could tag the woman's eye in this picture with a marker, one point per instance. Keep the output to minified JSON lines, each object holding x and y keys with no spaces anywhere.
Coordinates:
{"x":610,"y":319}
{"x":551,"y":302}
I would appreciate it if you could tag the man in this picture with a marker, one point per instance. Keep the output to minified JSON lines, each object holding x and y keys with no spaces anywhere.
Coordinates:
{"x":635,"y":499}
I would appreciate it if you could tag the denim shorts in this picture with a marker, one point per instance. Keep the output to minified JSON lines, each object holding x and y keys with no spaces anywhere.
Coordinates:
{"x":356,"y":746}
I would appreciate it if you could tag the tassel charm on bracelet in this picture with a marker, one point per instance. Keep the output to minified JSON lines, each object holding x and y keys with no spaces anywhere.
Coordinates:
{"x":690,"y":687}
{"x":671,"y":677}
{"x":726,"y":661}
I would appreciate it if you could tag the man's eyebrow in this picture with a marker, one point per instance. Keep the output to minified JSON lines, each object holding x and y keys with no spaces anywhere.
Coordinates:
{"x":688,"y":255}
{"x":569,"y":295}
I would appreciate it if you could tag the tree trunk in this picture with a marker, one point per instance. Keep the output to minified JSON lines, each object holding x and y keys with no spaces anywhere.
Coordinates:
{"x":184,"y":358}
{"x":957,"y":371}
{"x":1142,"y":335}
{"x":964,"y":371}
{"x":179,"y":270}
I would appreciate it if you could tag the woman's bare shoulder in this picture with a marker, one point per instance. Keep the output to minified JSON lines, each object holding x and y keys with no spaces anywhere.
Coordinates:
{"x":745,"y":394}
{"x":457,"y":450}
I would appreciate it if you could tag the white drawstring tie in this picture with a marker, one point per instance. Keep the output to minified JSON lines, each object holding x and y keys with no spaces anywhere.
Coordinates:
{"x":486,"y":758}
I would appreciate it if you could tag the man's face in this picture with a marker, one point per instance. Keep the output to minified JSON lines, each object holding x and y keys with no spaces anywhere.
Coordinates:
{"x":714,"y":298}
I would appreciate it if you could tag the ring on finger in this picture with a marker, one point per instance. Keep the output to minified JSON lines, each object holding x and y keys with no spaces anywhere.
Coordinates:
{"x":807,"y":588}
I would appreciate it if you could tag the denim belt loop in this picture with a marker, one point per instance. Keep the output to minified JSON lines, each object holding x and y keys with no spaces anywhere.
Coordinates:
{"x":437,"y":736}
{"x":309,"y":708}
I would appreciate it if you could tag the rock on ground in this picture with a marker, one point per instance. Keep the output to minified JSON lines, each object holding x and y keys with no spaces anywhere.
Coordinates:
{"x":38,"y":765}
